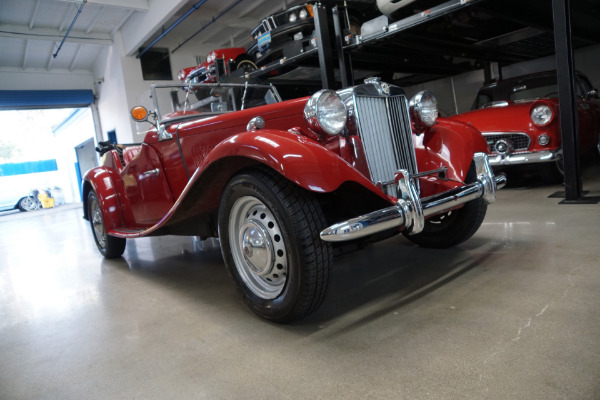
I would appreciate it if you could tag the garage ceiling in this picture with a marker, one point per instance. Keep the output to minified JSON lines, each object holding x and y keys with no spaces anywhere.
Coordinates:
{"x":503,"y":31}
{"x":31,"y":31}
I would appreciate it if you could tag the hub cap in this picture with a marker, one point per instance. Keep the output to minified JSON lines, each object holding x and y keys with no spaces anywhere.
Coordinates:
{"x":257,"y":247}
{"x":98,"y":223}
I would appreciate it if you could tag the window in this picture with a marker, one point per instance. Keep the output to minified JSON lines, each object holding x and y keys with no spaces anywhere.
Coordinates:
{"x":156,"y":65}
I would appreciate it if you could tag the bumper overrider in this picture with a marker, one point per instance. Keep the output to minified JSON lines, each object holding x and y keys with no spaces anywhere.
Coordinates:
{"x":410,"y":211}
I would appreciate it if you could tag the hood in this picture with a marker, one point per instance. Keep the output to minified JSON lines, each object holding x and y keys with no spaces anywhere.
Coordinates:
{"x":512,"y":117}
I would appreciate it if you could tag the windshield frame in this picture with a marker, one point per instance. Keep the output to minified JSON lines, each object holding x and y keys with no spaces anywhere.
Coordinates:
{"x":160,"y":119}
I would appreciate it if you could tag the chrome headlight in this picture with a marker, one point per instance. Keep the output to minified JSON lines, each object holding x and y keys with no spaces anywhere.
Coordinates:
{"x":424,"y":108}
{"x":541,"y":115}
{"x":303,"y":14}
{"x":325,"y":113}
{"x":292,"y":17}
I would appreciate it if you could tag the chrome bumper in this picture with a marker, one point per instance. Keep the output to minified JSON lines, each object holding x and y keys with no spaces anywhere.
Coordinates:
{"x":410,"y":211}
{"x":525,"y":158}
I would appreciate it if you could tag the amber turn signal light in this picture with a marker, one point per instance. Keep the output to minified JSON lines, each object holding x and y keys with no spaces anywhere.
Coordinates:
{"x":139,"y":113}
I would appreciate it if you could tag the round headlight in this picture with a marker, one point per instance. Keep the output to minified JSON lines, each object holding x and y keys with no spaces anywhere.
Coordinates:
{"x":541,"y":115}
{"x":424,"y":107}
{"x":543,"y":140}
{"x":292,"y":17}
{"x":303,"y":14}
{"x":325,"y":112}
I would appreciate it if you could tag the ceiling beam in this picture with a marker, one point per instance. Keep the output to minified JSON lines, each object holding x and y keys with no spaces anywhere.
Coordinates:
{"x":25,"y":53}
{"x":95,"y":20}
{"x":22,"y":32}
{"x":34,"y":15}
{"x":138,"y":5}
{"x":75,"y":56}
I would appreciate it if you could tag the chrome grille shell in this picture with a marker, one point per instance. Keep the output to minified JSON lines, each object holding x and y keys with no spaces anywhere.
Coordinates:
{"x":519,"y":141}
{"x":379,"y":115}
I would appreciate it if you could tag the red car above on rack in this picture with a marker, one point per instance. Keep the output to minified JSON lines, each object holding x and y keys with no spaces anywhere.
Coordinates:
{"x":282,"y":183}
{"x":519,"y":118}
{"x":206,"y":72}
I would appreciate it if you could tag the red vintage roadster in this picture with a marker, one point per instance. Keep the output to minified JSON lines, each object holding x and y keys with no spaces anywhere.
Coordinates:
{"x":282,"y":184}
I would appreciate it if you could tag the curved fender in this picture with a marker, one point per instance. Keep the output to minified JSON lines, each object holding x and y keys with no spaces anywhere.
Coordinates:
{"x":300,"y":159}
{"x":453,"y":143}
{"x":101,"y":181}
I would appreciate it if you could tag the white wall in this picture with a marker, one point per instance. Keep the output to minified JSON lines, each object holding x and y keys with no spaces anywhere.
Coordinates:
{"x":13,"y":79}
{"x":76,"y":130}
{"x":123,"y":87}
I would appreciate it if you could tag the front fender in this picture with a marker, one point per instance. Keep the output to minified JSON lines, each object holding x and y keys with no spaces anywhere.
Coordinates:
{"x":451,"y":144}
{"x":101,"y":181}
{"x":298,"y":158}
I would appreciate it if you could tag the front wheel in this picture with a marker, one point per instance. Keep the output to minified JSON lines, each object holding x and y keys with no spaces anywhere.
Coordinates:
{"x":455,"y":226}
{"x":28,"y":203}
{"x":109,"y":246}
{"x":269,"y":231}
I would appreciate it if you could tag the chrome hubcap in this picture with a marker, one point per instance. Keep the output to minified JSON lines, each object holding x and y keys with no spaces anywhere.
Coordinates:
{"x":257,"y":247}
{"x":98,"y":224}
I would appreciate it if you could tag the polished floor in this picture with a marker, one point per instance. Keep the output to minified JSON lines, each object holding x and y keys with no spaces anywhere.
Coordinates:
{"x":514,"y":313}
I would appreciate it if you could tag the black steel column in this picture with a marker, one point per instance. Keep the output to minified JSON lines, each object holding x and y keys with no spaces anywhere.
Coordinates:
{"x":324,"y":48}
{"x":565,"y":71}
{"x":343,"y":57}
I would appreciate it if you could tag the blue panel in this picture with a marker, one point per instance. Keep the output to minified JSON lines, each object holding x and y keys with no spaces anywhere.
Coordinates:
{"x":27,"y":167}
{"x":21,"y":99}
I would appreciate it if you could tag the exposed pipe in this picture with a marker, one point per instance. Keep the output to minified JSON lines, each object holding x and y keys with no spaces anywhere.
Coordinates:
{"x":207,"y":25}
{"x":70,"y":27}
{"x":170,"y":28}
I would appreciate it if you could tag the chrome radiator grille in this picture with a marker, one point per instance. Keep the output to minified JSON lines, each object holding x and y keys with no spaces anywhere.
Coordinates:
{"x":386,"y":135}
{"x":518,"y":141}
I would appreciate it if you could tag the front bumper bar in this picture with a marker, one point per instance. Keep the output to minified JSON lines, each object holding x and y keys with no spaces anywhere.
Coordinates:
{"x":410,"y":211}
{"x":525,"y":158}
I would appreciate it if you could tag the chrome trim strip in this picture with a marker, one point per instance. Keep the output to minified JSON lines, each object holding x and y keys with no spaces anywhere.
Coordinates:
{"x":526,"y":158}
{"x":409,"y":211}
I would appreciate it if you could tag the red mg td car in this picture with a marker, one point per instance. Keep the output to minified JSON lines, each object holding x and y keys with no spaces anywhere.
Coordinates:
{"x":282,"y":184}
{"x":519,"y":118}
{"x":206,"y":72}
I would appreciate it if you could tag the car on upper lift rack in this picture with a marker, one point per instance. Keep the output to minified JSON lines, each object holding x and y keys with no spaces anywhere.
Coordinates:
{"x":283,"y":184}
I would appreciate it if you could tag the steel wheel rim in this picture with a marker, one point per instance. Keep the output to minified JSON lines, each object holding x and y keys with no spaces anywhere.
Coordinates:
{"x":258,"y":248}
{"x":98,"y":223}
{"x":28,"y":203}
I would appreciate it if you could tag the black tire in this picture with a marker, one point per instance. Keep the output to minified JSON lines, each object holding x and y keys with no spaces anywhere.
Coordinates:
{"x":28,"y":203}
{"x":245,"y":63}
{"x":454,"y":227}
{"x":552,"y":172}
{"x":109,"y":246}
{"x":269,"y":231}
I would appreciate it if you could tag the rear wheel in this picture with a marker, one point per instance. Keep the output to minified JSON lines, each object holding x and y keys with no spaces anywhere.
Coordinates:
{"x":269,"y":231}
{"x":109,"y":246}
{"x":455,"y":226}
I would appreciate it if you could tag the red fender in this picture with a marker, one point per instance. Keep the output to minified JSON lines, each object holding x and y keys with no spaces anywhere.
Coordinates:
{"x":101,"y":180}
{"x":300,"y":159}
{"x":451,"y":144}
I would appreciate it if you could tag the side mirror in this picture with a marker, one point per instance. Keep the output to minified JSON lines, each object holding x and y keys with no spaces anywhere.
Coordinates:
{"x":139,"y":114}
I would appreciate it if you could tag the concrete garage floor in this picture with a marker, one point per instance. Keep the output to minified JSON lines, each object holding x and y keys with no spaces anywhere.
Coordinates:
{"x":514,"y":313}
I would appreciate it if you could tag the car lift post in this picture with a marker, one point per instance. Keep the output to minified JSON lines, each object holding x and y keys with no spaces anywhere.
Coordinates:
{"x":565,"y":72}
{"x":324,"y":48}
